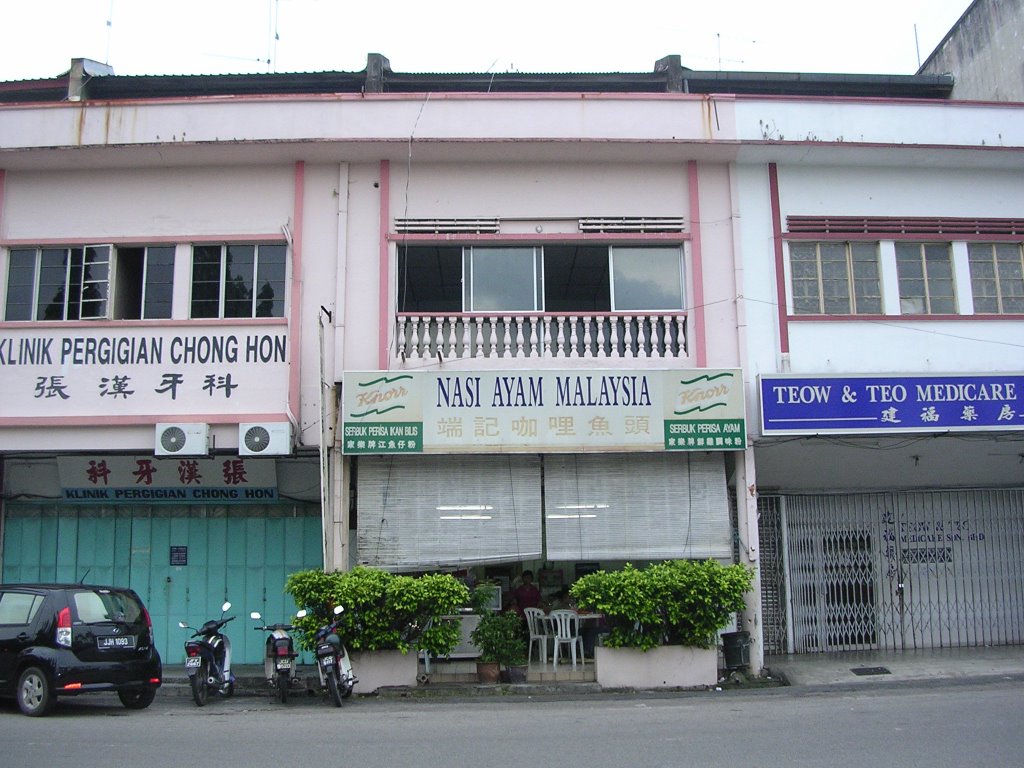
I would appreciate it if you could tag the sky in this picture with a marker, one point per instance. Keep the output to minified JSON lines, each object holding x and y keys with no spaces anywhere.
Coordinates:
{"x":39,"y":38}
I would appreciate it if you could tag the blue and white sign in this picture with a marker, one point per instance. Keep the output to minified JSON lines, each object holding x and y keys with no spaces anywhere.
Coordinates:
{"x":800,"y":405}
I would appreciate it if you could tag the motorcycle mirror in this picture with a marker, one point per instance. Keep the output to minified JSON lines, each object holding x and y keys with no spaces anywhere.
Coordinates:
{"x":255,"y":616}
{"x":225,"y":607}
{"x":301,"y":614}
{"x":183,"y":625}
{"x":338,"y":609}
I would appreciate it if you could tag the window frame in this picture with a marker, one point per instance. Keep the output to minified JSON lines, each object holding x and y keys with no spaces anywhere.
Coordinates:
{"x":123,"y":285}
{"x":73,"y":288}
{"x":223,"y":279}
{"x":539,"y":278}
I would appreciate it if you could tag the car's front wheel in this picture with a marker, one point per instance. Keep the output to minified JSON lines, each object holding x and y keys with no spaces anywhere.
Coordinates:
{"x":35,"y":695}
{"x":137,"y":698}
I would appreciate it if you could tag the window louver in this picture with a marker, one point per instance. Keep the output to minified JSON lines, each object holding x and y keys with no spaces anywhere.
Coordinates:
{"x":902,"y":225}
{"x":448,"y":226}
{"x":639,"y":224}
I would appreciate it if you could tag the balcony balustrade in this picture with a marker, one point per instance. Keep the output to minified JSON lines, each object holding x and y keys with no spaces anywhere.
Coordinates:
{"x":545,"y":336}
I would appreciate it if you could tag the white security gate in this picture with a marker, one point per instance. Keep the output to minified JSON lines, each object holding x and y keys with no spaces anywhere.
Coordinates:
{"x":905,"y":570}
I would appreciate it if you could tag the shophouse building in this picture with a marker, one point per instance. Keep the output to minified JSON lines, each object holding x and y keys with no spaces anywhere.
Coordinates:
{"x":488,"y":322}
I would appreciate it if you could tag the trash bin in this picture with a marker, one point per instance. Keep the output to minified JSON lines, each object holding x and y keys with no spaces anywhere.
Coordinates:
{"x":736,"y":650}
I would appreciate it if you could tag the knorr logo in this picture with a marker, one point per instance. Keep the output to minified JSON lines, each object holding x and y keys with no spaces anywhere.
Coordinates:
{"x":377,"y":394}
{"x":704,"y":393}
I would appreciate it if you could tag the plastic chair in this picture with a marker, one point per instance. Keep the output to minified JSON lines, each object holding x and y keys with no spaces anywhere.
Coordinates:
{"x":566,"y":627}
{"x":538,"y":626}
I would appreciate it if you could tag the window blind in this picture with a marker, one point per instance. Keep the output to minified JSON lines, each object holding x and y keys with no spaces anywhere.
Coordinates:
{"x":422,"y":512}
{"x":648,"y":506}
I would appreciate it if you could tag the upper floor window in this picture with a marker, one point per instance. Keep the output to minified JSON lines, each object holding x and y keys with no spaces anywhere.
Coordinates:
{"x":835,"y":278}
{"x":238,"y":280}
{"x":925,"y":273}
{"x":997,"y":277}
{"x":550,"y":278}
{"x":76,"y":283}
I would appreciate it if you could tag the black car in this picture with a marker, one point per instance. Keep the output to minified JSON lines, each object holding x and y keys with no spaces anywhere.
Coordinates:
{"x":67,"y":639}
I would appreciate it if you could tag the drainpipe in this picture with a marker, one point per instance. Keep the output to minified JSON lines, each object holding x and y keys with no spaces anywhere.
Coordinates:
{"x":746,"y":477}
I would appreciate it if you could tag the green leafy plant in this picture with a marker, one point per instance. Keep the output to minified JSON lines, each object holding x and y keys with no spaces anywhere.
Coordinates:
{"x":677,"y":602}
{"x":500,"y":638}
{"x":383,"y":611}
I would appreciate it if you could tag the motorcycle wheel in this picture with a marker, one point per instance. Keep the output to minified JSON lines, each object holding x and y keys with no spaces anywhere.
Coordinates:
{"x":332,"y":686}
{"x":282,"y":687}
{"x":200,"y":692}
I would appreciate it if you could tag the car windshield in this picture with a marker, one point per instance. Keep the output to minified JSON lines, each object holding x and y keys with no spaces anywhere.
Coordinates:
{"x":103,"y":605}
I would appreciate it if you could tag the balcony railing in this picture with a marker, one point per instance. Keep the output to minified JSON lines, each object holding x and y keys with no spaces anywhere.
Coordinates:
{"x":580,"y":335}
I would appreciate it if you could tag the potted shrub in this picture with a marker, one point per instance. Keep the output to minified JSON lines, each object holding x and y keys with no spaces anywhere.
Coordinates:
{"x":663,"y":620}
{"x":499,"y":636}
{"x":386,"y":616}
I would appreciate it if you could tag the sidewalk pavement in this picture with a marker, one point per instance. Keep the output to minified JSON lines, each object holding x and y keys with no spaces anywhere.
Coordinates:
{"x":822,"y":671}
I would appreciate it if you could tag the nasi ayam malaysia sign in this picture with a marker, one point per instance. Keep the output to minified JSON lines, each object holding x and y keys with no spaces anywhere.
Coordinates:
{"x":800,"y":404}
{"x":511,"y":411}
{"x":97,"y":372}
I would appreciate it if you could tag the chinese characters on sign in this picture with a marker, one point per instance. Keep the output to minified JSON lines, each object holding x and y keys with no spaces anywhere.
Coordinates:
{"x":827,"y":404}
{"x":505,"y":411}
{"x":224,"y":480}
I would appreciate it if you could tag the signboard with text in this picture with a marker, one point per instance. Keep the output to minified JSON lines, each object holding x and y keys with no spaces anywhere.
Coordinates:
{"x":556,"y":411}
{"x":50,"y":372}
{"x":801,"y":404}
{"x":146,"y":480}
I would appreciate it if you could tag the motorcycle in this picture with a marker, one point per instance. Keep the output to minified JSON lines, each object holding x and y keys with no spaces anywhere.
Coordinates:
{"x":208,"y":659}
{"x":332,"y":660}
{"x":279,"y":659}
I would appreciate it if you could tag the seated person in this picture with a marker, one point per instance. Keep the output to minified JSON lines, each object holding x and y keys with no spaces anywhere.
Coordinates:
{"x":526,"y":595}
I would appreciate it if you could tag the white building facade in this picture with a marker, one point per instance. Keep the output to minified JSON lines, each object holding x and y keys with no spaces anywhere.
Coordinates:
{"x":297,"y":322}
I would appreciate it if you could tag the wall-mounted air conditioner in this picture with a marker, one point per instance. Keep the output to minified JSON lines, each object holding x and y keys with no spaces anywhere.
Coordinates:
{"x":267,"y":439}
{"x":182,"y":440}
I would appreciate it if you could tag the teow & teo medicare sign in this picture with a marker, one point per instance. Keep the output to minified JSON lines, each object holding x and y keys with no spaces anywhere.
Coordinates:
{"x":797,"y":404}
{"x":558,"y":411}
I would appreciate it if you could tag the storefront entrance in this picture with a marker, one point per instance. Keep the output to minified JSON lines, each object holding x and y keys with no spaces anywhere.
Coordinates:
{"x":897,"y":571}
{"x":184,"y":561}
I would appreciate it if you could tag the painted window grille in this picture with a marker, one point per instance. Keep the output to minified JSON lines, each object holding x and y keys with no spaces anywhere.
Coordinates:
{"x":835,"y":278}
{"x":997,"y":277}
{"x":925,"y":274}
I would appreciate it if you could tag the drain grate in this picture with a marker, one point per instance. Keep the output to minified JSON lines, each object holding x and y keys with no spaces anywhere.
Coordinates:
{"x":871,"y":671}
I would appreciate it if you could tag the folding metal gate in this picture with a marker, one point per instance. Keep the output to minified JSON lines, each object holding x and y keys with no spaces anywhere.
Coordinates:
{"x":903,"y":570}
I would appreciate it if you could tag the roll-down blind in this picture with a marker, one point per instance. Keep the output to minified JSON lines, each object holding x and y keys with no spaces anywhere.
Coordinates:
{"x":421,"y":512}
{"x":633,"y":507}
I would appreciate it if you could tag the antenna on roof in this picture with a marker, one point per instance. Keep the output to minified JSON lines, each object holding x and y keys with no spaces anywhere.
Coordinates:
{"x":917,"y":45}
{"x":110,"y":30}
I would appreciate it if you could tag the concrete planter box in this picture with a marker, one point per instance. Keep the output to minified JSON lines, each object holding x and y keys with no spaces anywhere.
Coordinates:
{"x":668,"y":666}
{"x":383,"y":669}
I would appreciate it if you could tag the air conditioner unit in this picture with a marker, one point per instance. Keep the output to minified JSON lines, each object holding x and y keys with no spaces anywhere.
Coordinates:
{"x":182,"y":440}
{"x":267,"y":439}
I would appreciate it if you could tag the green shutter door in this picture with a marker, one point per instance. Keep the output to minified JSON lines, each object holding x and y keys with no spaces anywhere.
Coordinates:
{"x":240,"y":554}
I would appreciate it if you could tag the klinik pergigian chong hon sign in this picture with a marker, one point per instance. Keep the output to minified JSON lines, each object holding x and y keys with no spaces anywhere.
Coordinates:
{"x":550,"y":410}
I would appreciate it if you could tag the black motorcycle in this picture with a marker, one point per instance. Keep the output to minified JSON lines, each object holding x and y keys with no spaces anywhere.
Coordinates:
{"x":208,"y":659}
{"x":332,"y":661}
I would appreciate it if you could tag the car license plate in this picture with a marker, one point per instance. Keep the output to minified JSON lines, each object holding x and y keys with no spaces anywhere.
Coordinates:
{"x":284,"y":663}
{"x":193,"y":661}
{"x":115,"y":642}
